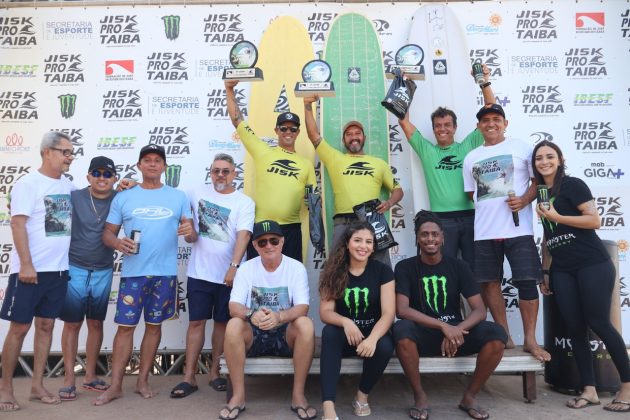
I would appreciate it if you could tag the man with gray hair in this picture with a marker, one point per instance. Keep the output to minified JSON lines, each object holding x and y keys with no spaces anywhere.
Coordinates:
{"x":223,"y":219}
{"x":41,"y":218}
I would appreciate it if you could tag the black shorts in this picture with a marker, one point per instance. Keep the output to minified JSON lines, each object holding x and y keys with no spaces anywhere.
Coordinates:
{"x":292,"y":242}
{"x":23,"y":301}
{"x":207,"y":300}
{"x":521,"y":253}
{"x":270,"y":343}
{"x":429,"y":340}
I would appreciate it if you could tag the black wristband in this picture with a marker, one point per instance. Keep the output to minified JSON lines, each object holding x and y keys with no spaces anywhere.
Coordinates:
{"x":485,"y":85}
{"x":546,"y":272}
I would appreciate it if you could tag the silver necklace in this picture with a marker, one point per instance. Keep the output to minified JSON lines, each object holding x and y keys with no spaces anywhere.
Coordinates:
{"x":98,"y":216}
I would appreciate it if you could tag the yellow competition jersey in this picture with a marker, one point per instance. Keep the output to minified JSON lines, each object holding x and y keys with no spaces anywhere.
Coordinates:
{"x":355,"y":178}
{"x":280,"y":178}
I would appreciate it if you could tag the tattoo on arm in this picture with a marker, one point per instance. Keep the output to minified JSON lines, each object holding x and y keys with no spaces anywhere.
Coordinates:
{"x":308,"y":107}
{"x":238,"y":116}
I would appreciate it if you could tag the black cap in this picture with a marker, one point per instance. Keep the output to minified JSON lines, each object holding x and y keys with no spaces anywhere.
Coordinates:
{"x":102,"y":162}
{"x":266,"y":227}
{"x":288,"y":116}
{"x":152,"y":148}
{"x":489,"y":109}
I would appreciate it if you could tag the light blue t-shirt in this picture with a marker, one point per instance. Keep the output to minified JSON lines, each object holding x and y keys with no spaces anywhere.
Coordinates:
{"x":156,"y":214}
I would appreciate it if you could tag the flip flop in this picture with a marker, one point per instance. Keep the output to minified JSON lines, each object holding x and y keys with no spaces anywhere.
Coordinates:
{"x":218,"y":384}
{"x":8,"y":406}
{"x":617,"y":401}
{"x":183,"y":389}
{"x":238,"y":409}
{"x":471,"y":411}
{"x":296,"y":409}
{"x":361,"y":409}
{"x":96,"y":385}
{"x":578,"y":399}
{"x":70,"y":393}
{"x":46,"y":399}
{"x":423,"y":413}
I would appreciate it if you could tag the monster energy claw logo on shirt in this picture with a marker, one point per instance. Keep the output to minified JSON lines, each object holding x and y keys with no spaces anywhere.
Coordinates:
{"x":171,"y":26}
{"x":432,"y":287}
{"x":67,"y":104}
{"x":356,"y":292}
{"x":172,"y":175}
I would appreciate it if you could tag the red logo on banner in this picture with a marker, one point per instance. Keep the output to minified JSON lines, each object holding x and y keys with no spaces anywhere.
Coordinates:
{"x":589,"y":20}
{"x":14,"y":140}
{"x":118,"y":67}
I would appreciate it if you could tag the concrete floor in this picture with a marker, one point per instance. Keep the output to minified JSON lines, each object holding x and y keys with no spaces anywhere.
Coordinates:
{"x":269,"y":397}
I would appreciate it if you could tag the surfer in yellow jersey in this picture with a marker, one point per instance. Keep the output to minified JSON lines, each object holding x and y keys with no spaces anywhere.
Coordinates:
{"x":355,"y":176}
{"x":281,"y":174}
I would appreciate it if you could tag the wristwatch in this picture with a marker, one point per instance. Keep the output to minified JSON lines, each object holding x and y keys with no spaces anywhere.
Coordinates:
{"x":248,"y":314}
{"x":234,"y":265}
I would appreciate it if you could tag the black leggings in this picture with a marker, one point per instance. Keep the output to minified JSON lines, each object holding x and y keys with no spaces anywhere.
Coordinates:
{"x":583,"y":298}
{"x":335,"y":346}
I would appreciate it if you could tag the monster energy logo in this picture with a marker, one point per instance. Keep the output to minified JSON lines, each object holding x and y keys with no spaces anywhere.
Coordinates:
{"x":550,"y":225}
{"x":68,"y":104}
{"x":266,"y":226}
{"x":356,"y":292}
{"x":172,"y":175}
{"x":432,"y":287}
{"x":171,"y":26}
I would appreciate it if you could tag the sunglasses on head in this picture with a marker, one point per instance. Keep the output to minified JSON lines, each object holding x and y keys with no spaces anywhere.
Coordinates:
{"x":105,"y":174}
{"x":285,"y":128}
{"x":263,"y":242}
{"x":222,"y":171}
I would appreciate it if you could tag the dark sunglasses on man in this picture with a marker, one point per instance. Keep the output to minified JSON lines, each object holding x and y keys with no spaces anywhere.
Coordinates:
{"x":221,"y":171}
{"x":105,"y":174}
{"x":263,"y":242}
{"x":285,"y":128}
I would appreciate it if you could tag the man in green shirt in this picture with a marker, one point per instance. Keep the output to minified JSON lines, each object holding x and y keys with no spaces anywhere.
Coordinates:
{"x":442,"y":166}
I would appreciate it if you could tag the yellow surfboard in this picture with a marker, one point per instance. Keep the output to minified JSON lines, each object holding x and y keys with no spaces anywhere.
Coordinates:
{"x":282,"y":52}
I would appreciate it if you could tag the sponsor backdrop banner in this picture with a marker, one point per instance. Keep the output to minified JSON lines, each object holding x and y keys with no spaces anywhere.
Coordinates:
{"x":117,"y":78}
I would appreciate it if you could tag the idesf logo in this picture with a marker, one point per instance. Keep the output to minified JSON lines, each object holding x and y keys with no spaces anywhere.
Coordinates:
{"x":625,"y":24}
{"x":119,"y":30}
{"x":536,"y":26}
{"x":586,"y":23}
{"x":542,"y":101}
{"x":611,"y":212}
{"x":9,"y":175}
{"x":16,"y":32}
{"x":76,"y":138}
{"x":534,"y":64}
{"x":68,"y":29}
{"x":18,"y":106}
{"x":18,"y":70}
{"x":174,"y":140}
{"x":594,"y":137}
{"x":585,"y":63}
{"x":222,"y":29}
{"x":601,"y":170}
{"x":167,"y":67}
{"x":593,"y":99}
{"x":116,"y":143}
{"x":217,"y":103}
{"x":64,"y":69}
{"x":488,"y":57}
{"x":119,"y":105}
{"x":318,"y":25}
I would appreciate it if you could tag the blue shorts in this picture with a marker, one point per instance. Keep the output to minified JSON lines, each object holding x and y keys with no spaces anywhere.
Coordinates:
{"x":270,"y":343}
{"x":157,"y":295}
{"x":207,"y":300}
{"x":87,"y":295}
{"x":23,"y":301}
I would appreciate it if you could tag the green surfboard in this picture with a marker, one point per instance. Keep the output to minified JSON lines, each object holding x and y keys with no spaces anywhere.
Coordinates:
{"x":353,"y":51}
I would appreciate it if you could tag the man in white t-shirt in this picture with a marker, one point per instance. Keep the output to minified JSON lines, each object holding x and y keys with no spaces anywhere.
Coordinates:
{"x":498,"y":177}
{"x":41,"y":219}
{"x":223,"y":219}
{"x":268,"y":305}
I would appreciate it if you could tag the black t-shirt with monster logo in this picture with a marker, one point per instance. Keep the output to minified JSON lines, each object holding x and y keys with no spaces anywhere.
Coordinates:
{"x":361,"y":301}
{"x":570,"y":247}
{"x":434,"y":289}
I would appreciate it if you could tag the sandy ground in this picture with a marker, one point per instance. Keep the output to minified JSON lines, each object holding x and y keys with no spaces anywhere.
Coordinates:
{"x":269,"y":397}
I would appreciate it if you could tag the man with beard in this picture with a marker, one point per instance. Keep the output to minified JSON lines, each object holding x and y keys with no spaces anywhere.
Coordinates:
{"x":351,"y":189}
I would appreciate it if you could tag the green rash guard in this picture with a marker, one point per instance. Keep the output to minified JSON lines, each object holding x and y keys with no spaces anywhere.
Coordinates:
{"x":443,"y":171}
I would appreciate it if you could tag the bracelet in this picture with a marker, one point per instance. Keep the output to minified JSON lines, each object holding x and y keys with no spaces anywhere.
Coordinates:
{"x":234,"y":265}
{"x":485,"y":85}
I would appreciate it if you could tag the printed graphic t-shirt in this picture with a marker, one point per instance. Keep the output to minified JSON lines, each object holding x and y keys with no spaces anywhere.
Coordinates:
{"x":217,"y":218}
{"x":280,"y":179}
{"x":46,"y":201}
{"x":361,"y":301}
{"x":355,"y":178}
{"x":156,"y":214}
{"x":572,"y":248}
{"x":492,"y":171}
{"x":442,"y":168}
{"x":434,"y":289}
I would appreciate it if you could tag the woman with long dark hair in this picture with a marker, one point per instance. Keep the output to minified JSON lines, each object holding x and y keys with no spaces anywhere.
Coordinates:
{"x":358,"y":305}
{"x":581,"y":272}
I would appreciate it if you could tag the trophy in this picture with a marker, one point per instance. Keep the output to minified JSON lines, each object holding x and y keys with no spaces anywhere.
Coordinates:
{"x":243,"y":57}
{"x":409,"y":60}
{"x":316,"y":75}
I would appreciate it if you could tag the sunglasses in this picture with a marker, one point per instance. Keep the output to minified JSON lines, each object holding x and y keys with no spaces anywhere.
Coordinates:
{"x":291,"y":129}
{"x":65,"y":152}
{"x":105,"y":174}
{"x":221,"y":171}
{"x":263,"y":242}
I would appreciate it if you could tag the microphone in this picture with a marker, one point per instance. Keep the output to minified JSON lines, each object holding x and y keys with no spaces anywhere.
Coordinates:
{"x":512,"y":194}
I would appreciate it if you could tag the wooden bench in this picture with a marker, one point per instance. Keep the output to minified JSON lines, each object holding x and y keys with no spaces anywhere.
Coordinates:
{"x":514,"y":361}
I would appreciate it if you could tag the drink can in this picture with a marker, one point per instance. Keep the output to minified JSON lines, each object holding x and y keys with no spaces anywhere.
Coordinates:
{"x":543,"y":196}
{"x":135,"y":236}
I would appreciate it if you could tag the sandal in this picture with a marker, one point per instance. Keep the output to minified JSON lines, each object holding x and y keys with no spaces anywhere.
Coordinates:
{"x":238,"y":409}
{"x":608,"y":407}
{"x":96,"y":385}
{"x":68,"y":393}
{"x":474,"y":412}
{"x":361,"y":409}
{"x":573,"y":403}
{"x":296,"y":409}
{"x":183,"y":389}
{"x":218,"y":384}
{"x":420,"y":413}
